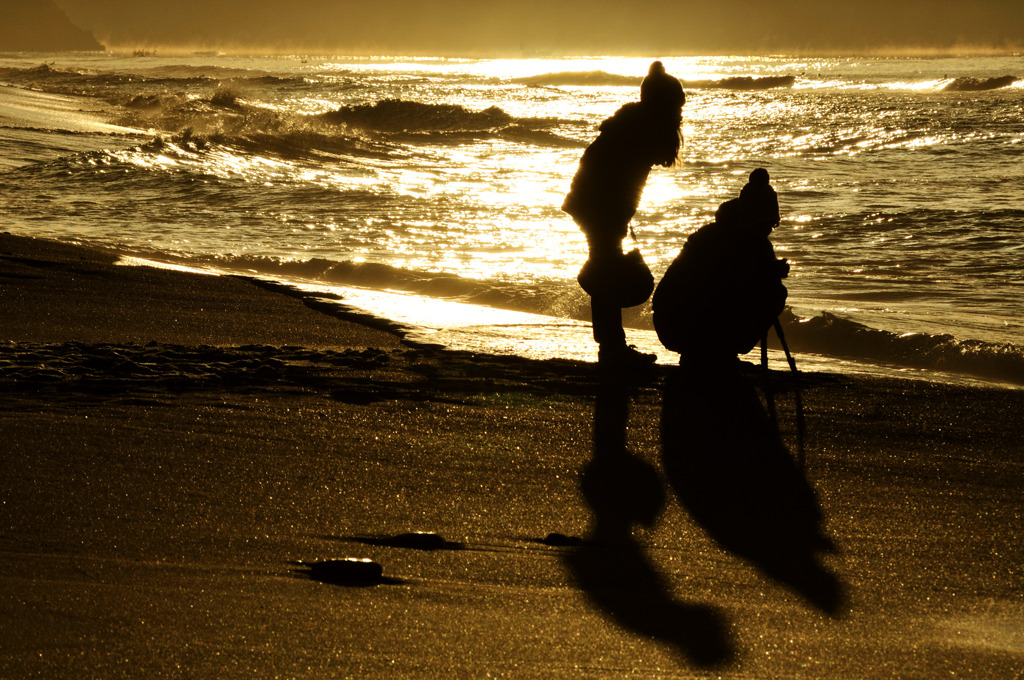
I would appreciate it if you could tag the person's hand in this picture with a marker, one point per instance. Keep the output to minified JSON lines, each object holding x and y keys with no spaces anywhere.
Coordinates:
{"x":783,"y":268}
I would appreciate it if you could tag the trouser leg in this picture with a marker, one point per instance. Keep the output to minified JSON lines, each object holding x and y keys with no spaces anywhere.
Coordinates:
{"x":605,"y":313}
{"x":606,"y":317}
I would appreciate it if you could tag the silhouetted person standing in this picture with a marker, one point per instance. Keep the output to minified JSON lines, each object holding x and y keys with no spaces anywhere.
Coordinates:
{"x":606,"y":191}
{"x":724,"y":290}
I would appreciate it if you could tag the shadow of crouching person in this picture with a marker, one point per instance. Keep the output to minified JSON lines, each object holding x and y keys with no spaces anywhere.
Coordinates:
{"x":730,"y":469}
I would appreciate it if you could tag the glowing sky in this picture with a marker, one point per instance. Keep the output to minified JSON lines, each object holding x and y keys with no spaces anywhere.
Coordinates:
{"x":516,"y":27}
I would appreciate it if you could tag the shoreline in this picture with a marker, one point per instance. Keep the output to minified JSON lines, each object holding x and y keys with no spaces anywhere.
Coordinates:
{"x":179,"y":445}
{"x":332,"y":299}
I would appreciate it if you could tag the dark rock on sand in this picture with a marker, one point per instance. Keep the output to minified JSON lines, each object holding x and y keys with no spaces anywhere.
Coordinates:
{"x":558,"y":540}
{"x":415,"y":540}
{"x":349,"y":571}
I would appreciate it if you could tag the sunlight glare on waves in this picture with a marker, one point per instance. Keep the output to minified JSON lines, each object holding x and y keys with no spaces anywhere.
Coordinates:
{"x":685,"y":68}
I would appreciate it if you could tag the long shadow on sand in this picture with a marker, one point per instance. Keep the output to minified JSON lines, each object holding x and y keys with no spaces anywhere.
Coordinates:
{"x":611,"y":566}
{"x":732,"y":472}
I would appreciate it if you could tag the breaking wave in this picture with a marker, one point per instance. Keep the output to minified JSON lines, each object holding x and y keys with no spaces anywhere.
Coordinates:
{"x":834,"y":336}
{"x":969,"y":84}
{"x":604,"y":79}
{"x":166,"y":100}
{"x":394,"y":115}
{"x":224,"y":118}
{"x":558,"y":298}
{"x":408,"y":119}
{"x":82,"y":81}
{"x":825,"y":334}
{"x":743,"y":83}
{"x":580,"y":79}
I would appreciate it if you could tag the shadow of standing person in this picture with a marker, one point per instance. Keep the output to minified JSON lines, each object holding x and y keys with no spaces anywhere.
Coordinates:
{"x":732,"y":472}
{"x":610,"y":565}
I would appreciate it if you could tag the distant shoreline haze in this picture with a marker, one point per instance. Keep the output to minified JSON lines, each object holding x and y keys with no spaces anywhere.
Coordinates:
{"x":528,"y":28}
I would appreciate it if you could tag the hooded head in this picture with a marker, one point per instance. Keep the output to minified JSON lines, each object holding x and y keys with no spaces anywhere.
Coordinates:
{"x":759,"y":200}
{"x":660,"y":90}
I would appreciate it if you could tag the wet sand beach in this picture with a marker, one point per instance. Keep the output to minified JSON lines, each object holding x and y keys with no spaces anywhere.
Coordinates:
{"x":188,"y":458}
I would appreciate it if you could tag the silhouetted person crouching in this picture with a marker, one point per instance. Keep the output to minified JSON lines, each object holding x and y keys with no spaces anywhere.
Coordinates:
{"x":724,"y":290}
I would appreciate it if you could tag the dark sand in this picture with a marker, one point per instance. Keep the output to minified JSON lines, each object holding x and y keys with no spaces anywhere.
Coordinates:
{"x":178,"y":450}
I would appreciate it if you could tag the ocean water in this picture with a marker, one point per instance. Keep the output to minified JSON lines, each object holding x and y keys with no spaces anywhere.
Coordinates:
{"x":427,"y":191}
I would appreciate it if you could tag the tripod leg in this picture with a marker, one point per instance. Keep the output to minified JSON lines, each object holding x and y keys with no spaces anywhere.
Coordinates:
{"x":785,"y":347}
{"x":800,"y":427}
{"x":769,"y":393}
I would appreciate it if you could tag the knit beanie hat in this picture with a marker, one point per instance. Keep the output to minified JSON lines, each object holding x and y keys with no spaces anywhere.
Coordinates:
{"x":759,"y":198}
{"x":660,"y":89}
